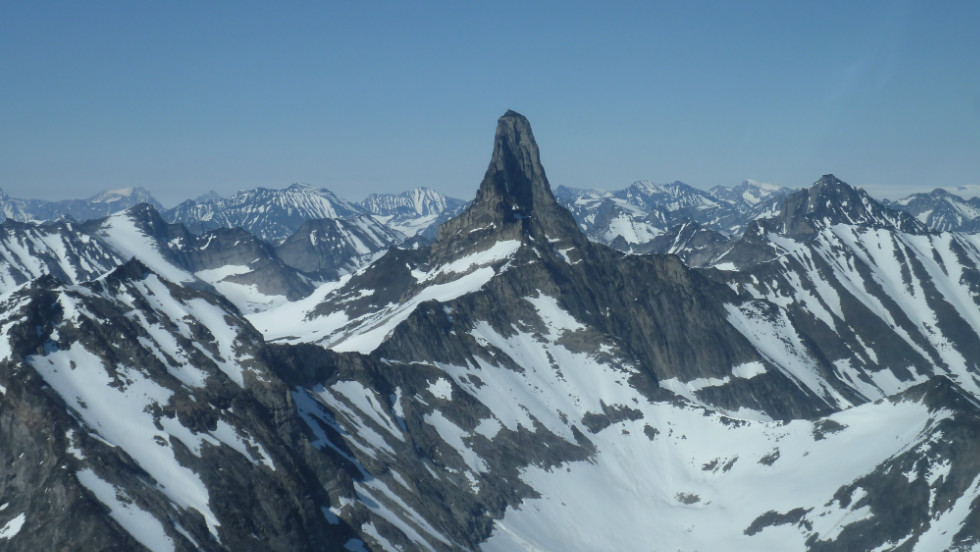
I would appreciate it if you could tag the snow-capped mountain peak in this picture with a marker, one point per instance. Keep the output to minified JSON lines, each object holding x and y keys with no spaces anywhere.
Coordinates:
{"x":419,"y":201}
{"x":750,"y":192}
{"x":131,"y":194}
{"x":943,"y":210}
{"x":99,"y":205}
{"x":272,"y":214}
{"x":832,"y":201}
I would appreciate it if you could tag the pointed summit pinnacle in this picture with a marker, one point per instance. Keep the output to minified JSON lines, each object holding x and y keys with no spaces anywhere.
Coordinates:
{"x":514,"y":198}
{"x":832,"y":201}
{"x":515,"y":174}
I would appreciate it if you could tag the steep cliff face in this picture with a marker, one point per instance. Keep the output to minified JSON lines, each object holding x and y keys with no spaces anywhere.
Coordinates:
{"x":514,"y":200}
{"x":514,"y":241}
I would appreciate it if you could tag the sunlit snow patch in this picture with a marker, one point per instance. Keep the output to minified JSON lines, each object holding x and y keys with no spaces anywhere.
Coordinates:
{"x":143,"y":527}
{"x":13,"y":526}
{"x":294,"y":323}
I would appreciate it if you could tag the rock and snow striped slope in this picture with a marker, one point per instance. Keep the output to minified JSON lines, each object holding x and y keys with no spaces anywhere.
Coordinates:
{"x":621,"y":471}
{"x":147,"y":403}
{"x":866,"y":312}
{"x":29,"y":251}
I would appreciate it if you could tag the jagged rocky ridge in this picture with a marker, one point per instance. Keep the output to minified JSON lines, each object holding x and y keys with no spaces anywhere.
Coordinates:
{"x":513,"y":386}
{"x":418,"y":212}
{"x":642,"y":218}
{"x":638,"y":218}
{"x":272,"y":215}
{"x":943,"y":211}
{"x":343,"y":236}
{"x":647,"y":217}
{"x":275,"y":215}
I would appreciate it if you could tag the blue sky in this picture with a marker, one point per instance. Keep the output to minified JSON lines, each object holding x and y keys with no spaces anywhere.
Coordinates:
{"x":183,"y":97}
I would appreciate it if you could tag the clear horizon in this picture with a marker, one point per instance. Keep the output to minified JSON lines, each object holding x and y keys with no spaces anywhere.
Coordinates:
{"x":181,"y":98}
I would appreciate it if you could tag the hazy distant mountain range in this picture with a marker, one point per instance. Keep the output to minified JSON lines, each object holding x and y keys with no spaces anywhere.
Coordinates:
{"x":629,"y":219}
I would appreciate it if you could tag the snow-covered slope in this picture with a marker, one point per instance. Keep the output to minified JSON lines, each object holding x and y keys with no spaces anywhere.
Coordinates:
{"x":62,"y":250}
{"x":242,"y":267}
{"x":418,"y":211}
{"x":501,"y":345}
{"x":632,"y":218}
{"x":133,"y":408}
{"x":886,"y":309}
{"x":942,"y":211}
{"x":687,"y":479}
{"x":354,"y":315}
{"x":966,"y":192}
{"x":11,"y":208}
{"x":329,"y":248}
{"x":750,"y":193}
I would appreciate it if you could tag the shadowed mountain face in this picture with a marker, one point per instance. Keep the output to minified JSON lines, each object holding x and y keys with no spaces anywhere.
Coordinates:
{"x":513,"y":386}
{"x":513,"y":200}
{"x":832,"y":201}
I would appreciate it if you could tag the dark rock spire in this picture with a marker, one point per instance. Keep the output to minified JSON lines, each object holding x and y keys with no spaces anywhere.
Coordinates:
{"x":515,"y":178}
{"x":514,"y":198}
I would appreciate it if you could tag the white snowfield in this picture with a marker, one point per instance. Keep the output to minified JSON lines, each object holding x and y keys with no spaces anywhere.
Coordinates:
{"x":634,"y":231}
{"x":412,"y":212}
{"x":674,"y":492}
{"x":672,"y":476}
{"x":409,"y":226}
{"x":12,"y":527}
{"x":129,"y":241}
{"x":145,"y":528}
{"x":39,"y":251}
{"x":296,"y":323}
